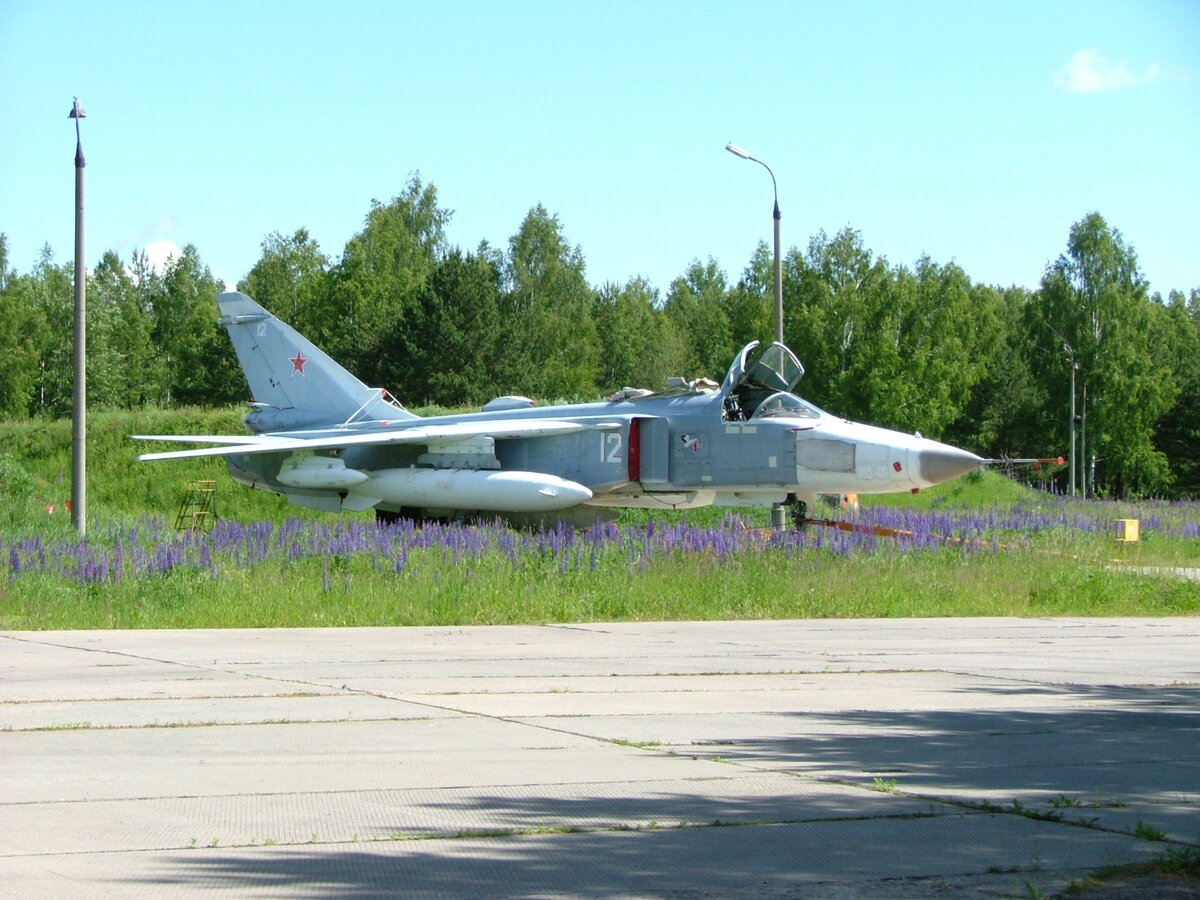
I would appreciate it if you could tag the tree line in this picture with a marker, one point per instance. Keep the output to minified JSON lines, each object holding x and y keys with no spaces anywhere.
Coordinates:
{"x":916,"y":347}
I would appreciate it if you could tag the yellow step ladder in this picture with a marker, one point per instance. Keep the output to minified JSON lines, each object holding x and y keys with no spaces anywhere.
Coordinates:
{"x":197,"y":511}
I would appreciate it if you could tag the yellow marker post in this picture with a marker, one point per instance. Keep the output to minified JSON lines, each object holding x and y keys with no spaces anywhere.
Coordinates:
{"x":1127,"y":531}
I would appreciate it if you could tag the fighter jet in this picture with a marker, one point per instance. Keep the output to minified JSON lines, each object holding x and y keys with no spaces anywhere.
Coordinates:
{"x":325,"y":440}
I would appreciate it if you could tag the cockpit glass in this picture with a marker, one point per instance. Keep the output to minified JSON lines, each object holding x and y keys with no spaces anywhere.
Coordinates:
{"x":785,"y":370}
{"x":784,"y":405}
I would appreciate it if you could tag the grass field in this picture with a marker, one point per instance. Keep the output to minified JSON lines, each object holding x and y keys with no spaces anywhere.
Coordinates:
{"x":982,"y":545}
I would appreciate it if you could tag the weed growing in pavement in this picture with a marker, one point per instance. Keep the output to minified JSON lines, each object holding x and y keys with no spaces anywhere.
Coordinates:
{"x":1149,"y":832}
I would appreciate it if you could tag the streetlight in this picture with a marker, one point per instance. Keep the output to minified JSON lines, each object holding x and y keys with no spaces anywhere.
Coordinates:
{"x":739,"y":152}
{"x":1067,"y":349}
{"x":778,"y":513}
{"x":1087,"y":472}
{"x":79,"y":359}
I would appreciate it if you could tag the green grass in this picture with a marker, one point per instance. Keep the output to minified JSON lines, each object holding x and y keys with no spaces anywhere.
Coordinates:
{"x":1058,"y":572}
{"x":119,"y":487}
{"x":760,"y":584}
{"x":978,"y":489}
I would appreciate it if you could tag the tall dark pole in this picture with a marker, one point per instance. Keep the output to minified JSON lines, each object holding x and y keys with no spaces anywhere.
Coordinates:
{"x":1073,"y":420}
{"x":778,"y":511}
{"x":739,"y":152}
{"x":1074,"y":367}
{"x":79,"y":359}
{"x":778,"y":270}
{"x":1085,"y":471}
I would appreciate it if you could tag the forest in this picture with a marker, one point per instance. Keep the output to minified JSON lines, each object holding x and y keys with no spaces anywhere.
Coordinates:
{"x":917,"y":347}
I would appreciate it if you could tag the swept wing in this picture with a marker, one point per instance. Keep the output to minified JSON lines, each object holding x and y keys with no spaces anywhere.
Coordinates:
{"x":449,"y":433}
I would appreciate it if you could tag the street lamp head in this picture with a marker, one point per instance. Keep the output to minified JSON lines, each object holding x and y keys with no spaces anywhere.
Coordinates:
{"x":77,"y":111}
{"x":742,"y":154}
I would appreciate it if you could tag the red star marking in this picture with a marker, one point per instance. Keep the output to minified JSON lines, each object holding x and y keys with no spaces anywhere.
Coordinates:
{"x":298,"y":362}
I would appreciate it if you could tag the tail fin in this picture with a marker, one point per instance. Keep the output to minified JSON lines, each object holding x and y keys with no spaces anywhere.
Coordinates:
{"x":293,"y":383}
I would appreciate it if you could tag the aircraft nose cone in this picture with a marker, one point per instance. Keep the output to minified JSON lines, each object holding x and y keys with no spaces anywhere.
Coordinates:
{"x":941,"y":462}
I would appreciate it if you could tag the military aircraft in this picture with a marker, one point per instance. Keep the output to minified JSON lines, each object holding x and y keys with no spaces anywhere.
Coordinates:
{"x":325,"y":440}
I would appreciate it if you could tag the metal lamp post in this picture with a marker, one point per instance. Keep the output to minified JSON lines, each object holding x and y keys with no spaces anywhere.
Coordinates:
{"x":79,"y":358}
{"x":739,"y":152}
{"x":1087,"y":471}
{"x":778,"y":511}
{"x":1074,"y":368}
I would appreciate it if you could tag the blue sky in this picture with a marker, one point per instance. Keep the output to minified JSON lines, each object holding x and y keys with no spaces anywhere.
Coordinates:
{"x":974,"y":132}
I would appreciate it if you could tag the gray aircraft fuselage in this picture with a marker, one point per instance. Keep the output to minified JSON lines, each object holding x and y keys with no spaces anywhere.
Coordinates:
{"x":325,"y":440}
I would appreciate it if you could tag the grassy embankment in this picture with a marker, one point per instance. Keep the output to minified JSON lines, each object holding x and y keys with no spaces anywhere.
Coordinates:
{"x":978,"y":546}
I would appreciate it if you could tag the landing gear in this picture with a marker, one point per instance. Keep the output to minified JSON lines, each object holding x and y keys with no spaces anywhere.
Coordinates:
{"x":799,"y":510}
{"x":385,"y":517}
{"x":388,"y":517}
{"x":792,"y":507}
{"x":779,"y":517}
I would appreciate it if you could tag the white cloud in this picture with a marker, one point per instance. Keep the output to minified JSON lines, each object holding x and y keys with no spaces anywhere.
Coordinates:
{"x":154,"y":240}
{"x":164,"y":225}
{"x":1090,"y":71}
{"x":160,"y":252}
{"x":157,"y":254}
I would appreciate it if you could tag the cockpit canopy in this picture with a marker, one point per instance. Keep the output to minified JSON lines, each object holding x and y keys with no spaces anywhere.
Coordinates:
{"x":786,"y":405}
{"x":775,"y":368}
{"x":751,"y":383}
